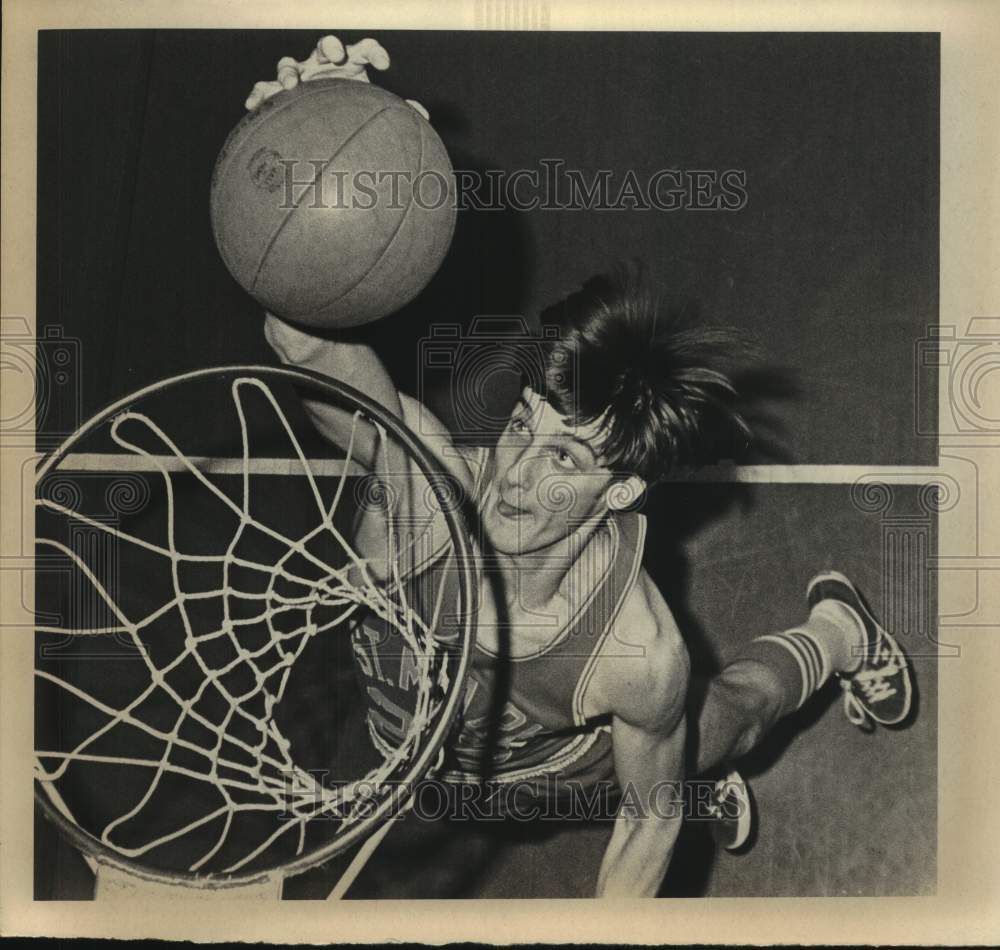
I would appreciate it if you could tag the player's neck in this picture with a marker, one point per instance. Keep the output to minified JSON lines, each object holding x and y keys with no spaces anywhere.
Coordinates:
{"x":531,"y":581}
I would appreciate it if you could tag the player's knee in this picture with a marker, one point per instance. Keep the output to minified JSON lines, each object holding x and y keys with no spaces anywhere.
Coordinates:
{"x":755,"y":698}
{"x":758,"y":687}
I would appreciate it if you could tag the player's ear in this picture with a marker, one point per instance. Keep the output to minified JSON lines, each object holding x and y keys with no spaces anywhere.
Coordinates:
{"x":625,"y":493}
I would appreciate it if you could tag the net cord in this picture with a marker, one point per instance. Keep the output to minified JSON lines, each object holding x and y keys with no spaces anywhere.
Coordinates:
{"x":393,"y":616}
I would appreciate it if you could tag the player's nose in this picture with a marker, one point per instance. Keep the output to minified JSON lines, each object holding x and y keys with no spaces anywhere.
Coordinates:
{"x":519,"y":473}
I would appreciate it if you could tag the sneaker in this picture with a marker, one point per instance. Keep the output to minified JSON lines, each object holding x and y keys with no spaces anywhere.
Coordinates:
{"x":731,"y":812}
{"x":880,"y":689}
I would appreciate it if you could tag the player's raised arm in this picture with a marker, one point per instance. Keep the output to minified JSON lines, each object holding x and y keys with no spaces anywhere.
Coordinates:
{"x":351,"y":362}
{"x":325,"y":346}
{"x":331,"y":352}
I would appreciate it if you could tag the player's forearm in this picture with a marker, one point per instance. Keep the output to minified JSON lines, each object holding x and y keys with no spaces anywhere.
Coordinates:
{"x":350,"y":362}
{"x":649,"y":765}
{"x":638,"y":855}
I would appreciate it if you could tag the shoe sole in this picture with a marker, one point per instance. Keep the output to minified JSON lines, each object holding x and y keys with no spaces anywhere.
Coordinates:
{"x":744,"y":818}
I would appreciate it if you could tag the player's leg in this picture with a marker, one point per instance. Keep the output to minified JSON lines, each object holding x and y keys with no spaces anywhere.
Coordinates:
{"x":775,"y":674}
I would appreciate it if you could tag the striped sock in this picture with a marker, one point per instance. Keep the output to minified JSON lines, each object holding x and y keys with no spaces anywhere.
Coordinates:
{"x":798,"y":660}
{"x":840,"y":630}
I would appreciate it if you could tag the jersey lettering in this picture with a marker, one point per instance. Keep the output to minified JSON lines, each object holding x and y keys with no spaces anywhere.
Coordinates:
{"x":370,"y":664}
{"x":394,"y":728}
{"x":362,"y":657}
{"x":409,"y":673}
{"x":515,"y":733}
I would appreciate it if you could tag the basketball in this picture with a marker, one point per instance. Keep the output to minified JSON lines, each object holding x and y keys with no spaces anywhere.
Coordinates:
{"x":332,"y":204}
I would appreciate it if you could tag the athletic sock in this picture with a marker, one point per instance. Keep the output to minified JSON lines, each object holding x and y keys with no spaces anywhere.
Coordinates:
{"x":801,"y":660}
{"x":840,"y":632}
{"x":796,"y":659}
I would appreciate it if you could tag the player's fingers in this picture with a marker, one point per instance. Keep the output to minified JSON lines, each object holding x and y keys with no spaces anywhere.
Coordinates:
{"x":260,"y":92}
{"x":290,"y":343}
{"x":330,"y":50}
{"x":368,"y":51}
{"x":416,"y":105}
{"x":288,"y":72}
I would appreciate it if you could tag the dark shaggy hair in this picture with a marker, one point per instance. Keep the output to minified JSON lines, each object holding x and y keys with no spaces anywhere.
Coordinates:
{"x":666,"y":385}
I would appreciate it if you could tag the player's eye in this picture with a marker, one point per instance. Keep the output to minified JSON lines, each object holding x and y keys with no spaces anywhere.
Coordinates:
{"x":564,"y":459}
{"x":518,"y":424}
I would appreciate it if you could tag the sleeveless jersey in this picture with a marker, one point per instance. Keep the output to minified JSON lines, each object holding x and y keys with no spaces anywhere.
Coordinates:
{"x":521,"y":719}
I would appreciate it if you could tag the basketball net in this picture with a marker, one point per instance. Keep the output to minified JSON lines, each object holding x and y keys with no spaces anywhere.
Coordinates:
{"x":241,"y":757}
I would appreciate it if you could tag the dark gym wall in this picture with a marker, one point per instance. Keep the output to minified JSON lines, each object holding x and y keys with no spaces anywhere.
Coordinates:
{"x":832,"y":265}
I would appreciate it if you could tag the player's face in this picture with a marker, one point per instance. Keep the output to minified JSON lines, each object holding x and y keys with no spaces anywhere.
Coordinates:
{"x":548,"y":479}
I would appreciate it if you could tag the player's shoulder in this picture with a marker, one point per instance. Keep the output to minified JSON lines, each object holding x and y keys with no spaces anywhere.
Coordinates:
{"x":644,"y":662}
{"x":648,"y":618}
{"x":665,"y":647}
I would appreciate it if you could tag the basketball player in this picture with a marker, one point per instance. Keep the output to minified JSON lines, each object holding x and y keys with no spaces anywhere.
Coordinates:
{"x":595,"y":671}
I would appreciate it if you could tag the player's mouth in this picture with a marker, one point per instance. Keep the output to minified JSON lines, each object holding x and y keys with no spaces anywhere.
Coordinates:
{"x":509,"y":511}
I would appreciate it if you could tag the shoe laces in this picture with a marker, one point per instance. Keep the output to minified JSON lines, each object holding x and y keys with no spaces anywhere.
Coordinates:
{"x":875,"y":686}
{"x":855,"y":712}
{"x":714,"y":807}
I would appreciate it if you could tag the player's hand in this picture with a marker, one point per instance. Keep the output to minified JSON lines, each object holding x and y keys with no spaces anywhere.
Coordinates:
{"x":330,"y":59}
{"x":292,"y":344}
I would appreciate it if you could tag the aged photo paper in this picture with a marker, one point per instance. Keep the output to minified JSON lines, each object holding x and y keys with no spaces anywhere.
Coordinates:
{"x":507,"y":464}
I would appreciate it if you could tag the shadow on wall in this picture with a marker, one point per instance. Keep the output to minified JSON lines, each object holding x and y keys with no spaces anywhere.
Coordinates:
{"x":486,"y":272}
